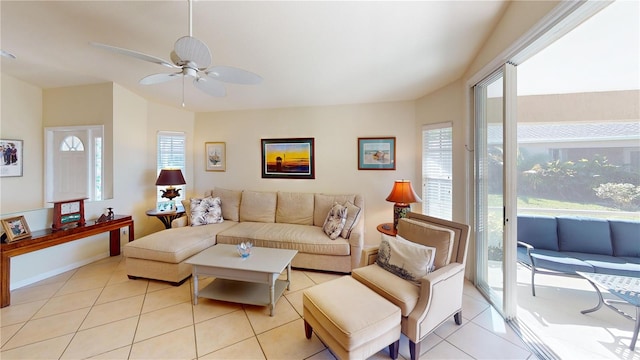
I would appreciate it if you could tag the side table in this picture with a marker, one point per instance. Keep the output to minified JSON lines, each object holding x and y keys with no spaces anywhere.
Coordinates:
{"x":166,"y":216}
{"x":387,"y":228}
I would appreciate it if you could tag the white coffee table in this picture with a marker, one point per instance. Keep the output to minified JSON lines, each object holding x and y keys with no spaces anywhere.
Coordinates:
{"x":252,"y":280}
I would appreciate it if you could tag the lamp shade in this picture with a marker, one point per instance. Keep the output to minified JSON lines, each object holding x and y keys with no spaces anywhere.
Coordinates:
{"x":402,"y":193}
{"x":170,"y":177}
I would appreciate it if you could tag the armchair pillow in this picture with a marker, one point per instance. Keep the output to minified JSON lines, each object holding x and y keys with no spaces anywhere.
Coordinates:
{"x":404,"y":258}
{"x":334,"y":223}
{"x":434,"y":236}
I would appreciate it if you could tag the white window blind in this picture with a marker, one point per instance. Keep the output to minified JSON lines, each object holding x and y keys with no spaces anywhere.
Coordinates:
{"x":437,"y":160}
{"x":171,"y":154}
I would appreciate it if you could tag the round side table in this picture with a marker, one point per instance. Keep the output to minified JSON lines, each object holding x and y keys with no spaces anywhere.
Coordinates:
{"x":387,"y":228}
{"x":166,"y":216}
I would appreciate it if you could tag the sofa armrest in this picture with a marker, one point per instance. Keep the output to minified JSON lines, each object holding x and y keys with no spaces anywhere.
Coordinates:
{"x":356,"y":243}
{"x":440,"y":298}
{"x":369,"y":256}
{"x":182,"y":221}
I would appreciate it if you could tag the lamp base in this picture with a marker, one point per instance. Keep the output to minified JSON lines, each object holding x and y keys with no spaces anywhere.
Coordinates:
{"x":399,"y":211}
{"x":170,"y":193}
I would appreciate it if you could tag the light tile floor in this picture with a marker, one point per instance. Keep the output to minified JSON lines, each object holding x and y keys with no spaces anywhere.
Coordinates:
{"x":96,"y":312}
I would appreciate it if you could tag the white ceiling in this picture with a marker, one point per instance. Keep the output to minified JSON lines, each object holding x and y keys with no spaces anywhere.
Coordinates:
{"x":308,"y":53}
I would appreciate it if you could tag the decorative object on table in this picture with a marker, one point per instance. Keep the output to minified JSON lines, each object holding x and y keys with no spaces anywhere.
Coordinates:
{"x":102,"y":219}
{"x":244,"y":249}
{"x":166,"y":206}
{"x":68,"y":213}
{"x":10,"y":158}
{"x":169,"y":178}
{"x":402,"y":195}
{"x":110,"y":213}
{"x":215,"y":156}
{"x":288,"y":158}
{"x":377,"y":153}
{"x":15,"y":228}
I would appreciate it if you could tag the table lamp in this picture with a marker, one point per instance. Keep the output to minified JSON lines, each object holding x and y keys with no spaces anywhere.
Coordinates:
{"x":169,"y":178}
{"x":402,"y":195}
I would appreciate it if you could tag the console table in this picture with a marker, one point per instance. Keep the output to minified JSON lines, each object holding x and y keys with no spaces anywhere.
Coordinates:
{"x":43,"y":239}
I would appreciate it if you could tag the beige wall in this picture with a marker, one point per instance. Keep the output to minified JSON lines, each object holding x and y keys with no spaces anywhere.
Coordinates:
{"x":335,"y":129}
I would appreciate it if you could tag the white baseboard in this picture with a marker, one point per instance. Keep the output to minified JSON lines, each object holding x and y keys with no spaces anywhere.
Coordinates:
{"x":54,"y":272}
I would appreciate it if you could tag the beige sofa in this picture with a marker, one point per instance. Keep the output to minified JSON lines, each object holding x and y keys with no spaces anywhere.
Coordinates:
{"x":287,"y":220}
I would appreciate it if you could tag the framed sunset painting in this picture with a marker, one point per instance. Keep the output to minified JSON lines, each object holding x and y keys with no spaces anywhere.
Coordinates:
{"x":288,"y":158}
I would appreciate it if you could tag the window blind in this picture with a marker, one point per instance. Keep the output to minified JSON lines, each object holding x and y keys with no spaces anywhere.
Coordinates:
{"x":437,"y":179}
{"x":171,"y":154}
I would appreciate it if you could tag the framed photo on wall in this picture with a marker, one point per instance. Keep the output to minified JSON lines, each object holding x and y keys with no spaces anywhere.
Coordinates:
{"x":10,"y":158}
{"x":215,"y":156}
{"x":377,"y":153}
{"x":288,"y":158}
{"x":16,"y":228}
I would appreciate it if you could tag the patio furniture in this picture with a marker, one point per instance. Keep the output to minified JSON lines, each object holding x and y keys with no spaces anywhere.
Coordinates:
{"x":624,"y":287}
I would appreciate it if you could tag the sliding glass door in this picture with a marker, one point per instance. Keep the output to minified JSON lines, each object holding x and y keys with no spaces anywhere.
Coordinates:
{"x":494,"y":99}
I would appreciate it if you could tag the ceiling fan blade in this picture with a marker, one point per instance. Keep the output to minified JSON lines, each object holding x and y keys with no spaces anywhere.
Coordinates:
{"x":135,"y":54}
{"x":158,"y":78}
{"x":7,"y":54}
{"x":210,"y":86}
{"x":233,"y":75}
{"x":188,"y":48}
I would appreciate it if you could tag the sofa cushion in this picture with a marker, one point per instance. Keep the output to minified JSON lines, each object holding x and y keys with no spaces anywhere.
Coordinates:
{"x":609,"y":264}
{"x":205,"y":211}
{"x":295,"y":208}
{"x":334,"y":223}
{"x":584,"y":235}
{"x":555,"y":260}
{"x":323,"y":203}
{"x":406,"y":259}
{"x":258,"y":206}
{"x":175,"y":245}
{"x":404,"y":294}
{"x":625,"y":238}
{"x":229,"y":201}
{"x":353,"y":216}
{"x":541,"y":232}
{"x":429,"y":235}
{"x":304,"y":238}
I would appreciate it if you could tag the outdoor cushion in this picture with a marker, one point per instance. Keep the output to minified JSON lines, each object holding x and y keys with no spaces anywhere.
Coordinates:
{"x":540,"y":232}
{"x":625,"y":236}
{"x":609,"y":265}
{"x":559,"y":261}
{"x":584,"y":235}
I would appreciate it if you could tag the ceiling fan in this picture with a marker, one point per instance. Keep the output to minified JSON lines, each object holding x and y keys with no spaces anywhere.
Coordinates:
{"x":7,"y":54}
{"x":192,"y":58}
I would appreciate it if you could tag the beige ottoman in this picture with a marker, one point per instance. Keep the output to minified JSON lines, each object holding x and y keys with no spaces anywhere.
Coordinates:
{"x":351,"y":319}
{"x":162,"y":255}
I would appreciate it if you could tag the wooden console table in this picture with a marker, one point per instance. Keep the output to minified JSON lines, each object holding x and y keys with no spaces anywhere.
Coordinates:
{"x":43,"y":239}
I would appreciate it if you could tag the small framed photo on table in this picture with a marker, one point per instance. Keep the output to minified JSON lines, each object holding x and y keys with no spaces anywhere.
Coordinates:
{"x":215,"y":156}
{"x":16,"y":228}
{"x":377,"y":153}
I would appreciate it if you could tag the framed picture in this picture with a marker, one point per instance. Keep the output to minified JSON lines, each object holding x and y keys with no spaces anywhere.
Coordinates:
{"x":16,"y":228}
{"x":10,"y":158}
{"x":288,"y":158}
{"x":215,"y":156}
{"x":163,"y":206}
{"x":377,"y":153}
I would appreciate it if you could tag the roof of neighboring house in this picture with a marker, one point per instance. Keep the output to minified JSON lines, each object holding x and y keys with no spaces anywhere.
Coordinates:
{"x":571,"y":132}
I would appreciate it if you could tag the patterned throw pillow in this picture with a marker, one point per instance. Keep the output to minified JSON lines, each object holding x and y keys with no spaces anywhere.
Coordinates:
{"x":404,"y":258}
{"x":206,"y":211}
{"x":353,"y":215}
{"x":334,"y":223}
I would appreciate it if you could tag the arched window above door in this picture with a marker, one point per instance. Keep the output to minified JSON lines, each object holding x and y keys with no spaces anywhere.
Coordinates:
{"x":72,"y":143}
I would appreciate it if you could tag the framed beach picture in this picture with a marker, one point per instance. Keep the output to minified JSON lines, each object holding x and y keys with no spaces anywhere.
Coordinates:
{"x":10,"y":158}
{"x":288,"y":158}
{"x":16,"y":228}
{"x":377,"y":153}
{"x":215,"y":156}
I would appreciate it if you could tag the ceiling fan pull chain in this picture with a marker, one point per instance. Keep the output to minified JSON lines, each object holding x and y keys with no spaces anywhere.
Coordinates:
{"x":183,"y":91}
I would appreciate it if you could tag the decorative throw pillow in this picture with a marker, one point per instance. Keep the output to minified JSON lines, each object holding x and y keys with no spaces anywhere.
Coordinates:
{"x":353,"y":215}
{"x":440,"y":238}
{"x":404,"y":258}
{"x":334,"y":223}
{"x":206,"y":211}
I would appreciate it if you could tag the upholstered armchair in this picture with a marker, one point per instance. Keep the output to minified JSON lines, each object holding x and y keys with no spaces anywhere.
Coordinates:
{"x":438,"y":296}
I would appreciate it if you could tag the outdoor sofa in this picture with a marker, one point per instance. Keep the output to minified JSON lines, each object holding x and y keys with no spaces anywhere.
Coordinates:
{"x":565,"y":244}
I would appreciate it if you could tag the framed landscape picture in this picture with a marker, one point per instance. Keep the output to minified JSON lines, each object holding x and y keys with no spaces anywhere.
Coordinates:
{"x":215,"y":156}
{"x":377,"y":153}
{"x":10,"y":158}
{"x":288,"y":158}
